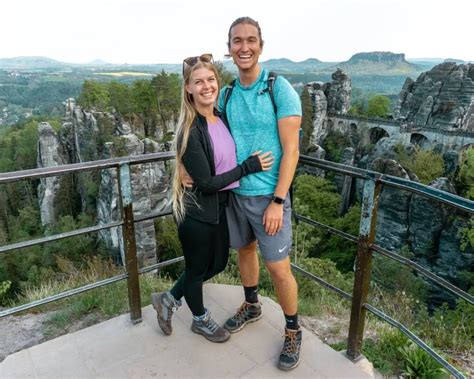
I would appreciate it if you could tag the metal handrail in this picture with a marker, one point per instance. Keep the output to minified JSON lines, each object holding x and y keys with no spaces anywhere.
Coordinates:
{"x":377,"y":312}
{"x":374,"y":182}
{"x":392,"y":181}
{"x":37,"y":173}
{"x":88,"y":287}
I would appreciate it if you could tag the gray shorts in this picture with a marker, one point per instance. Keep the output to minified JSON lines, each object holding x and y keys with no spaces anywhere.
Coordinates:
{"x":245,"y":220}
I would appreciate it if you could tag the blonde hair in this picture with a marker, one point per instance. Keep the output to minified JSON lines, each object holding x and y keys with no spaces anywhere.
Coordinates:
{"x":186,"y":117}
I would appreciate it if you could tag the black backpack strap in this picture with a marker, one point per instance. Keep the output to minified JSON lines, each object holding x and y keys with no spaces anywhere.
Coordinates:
{"x":227,"y":93}
{"x":271,"y":82}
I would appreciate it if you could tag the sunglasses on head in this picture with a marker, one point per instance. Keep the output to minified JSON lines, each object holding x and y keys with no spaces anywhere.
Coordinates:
{"x":191,"y":61}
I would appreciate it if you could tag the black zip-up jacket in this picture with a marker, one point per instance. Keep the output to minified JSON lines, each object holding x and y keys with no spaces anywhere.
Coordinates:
{"x":202,"y":201}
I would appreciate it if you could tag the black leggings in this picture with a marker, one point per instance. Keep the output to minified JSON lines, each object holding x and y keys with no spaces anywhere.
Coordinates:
{"x":206,"y":251}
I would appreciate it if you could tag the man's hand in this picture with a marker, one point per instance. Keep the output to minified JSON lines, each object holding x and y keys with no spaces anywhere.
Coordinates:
{"x":273,"y":218}
{"x":186,"y":180}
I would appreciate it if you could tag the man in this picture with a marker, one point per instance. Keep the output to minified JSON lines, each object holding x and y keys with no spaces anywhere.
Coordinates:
{"x":260,"y":209}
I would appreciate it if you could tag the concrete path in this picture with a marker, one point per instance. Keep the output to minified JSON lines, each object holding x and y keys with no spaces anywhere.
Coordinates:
{"x":117,"y":349}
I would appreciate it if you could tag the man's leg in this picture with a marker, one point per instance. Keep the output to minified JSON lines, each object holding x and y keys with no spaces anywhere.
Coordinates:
{"x":285,"y":285}
{"x":248,"y":265}
{"x":286,"y":290}
{"x":250,"y":310}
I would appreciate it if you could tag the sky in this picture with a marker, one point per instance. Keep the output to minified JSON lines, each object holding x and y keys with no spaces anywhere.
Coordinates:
{"x":167,"y":31}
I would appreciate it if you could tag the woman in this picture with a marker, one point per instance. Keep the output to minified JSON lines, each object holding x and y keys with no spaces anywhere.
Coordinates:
{"x":206,"y":149}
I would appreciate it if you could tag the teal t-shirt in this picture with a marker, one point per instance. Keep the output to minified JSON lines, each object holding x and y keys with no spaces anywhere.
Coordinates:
{"x":254,"y":126}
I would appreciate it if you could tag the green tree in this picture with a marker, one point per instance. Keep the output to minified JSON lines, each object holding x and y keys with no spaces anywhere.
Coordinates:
{"x":334,"y":144}
{"x":378,"y":106}
{"x":119,"y":97}
{"x":168,"y":96}
{"x":145,"y":105}
{"x":358,"y":108}
{"x":466,"y":173}
{"x":94,"y":95}
{"x":225,"y":75}
{"x":426,"y":164}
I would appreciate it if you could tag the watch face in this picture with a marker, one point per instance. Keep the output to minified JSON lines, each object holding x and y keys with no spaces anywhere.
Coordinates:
{"x":278,"y":200}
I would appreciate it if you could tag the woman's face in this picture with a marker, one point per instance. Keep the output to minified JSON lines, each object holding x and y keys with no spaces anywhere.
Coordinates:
{"x":204,"y":87}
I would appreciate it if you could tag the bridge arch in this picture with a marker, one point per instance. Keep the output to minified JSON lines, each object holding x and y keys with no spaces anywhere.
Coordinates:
{"x":419,"y":140}
{"x":376,"y":134}
{"x":353,"y":127}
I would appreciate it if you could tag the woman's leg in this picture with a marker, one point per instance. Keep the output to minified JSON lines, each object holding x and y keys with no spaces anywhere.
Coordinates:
{"x":197,"y":241}
{"x":221,"y":248}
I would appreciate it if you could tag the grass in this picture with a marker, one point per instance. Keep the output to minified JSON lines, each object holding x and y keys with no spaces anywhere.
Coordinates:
{"x":92,"y":306}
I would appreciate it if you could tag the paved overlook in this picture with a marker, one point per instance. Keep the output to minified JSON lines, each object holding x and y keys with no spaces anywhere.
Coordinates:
{"x":118,"y":349}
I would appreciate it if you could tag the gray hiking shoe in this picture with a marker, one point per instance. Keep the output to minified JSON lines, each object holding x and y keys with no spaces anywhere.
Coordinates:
{"x":209,"y":329}
{"x":248,"y":312}
{"x":165,"y":305}
{"x":290,"y":354}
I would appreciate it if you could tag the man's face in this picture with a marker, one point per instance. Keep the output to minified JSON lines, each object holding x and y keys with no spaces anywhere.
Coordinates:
{"x":245,"y":46}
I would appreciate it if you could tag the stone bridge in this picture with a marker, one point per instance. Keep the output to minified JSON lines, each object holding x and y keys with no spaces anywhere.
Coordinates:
{"x":373,"y":129}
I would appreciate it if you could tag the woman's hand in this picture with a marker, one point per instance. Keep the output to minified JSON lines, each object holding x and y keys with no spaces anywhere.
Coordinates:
{"x":266,"y":159}
{"x":186,"y":180}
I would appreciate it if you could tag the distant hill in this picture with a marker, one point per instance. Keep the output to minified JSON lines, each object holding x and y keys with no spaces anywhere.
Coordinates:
{"x":378,"y":62}
{"x":284,"y":64}
{"x":426,"y":63}
{"x":31,"y":63}
{"x":38,"y":63}
{"x":98,"y":62}
{"x":457,"y":61}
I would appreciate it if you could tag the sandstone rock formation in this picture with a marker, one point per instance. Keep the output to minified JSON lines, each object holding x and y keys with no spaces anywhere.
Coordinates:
{"x":440,"y":100}
{"x":378,"y":61}
{"x":83,"y":137}
{"x":427,"y":218}
{"x":393,"y":213}
{"x":338,"y":93}
{"x":442,"y":97}
{"x":344,"y":182}
{"x":50,"y":153}
{"x":328,"y":98}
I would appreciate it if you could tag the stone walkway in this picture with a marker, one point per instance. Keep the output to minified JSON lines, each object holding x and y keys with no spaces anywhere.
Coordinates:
{"x":118,"y":349}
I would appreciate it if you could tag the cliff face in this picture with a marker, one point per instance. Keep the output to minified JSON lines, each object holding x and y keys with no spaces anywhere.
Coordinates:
{"x":50,"y":153}
{"x":378,"y":56}
{"x":378,"y":61}
{"x":442,"y":97}
{"x":82,"y":139}
{"x":332,"y":97}
{"x":432,"y":232}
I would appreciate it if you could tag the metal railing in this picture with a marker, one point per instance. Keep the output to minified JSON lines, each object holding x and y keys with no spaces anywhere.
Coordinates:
{"x":373,"y":184}
{"x":372,"y":188}
{"x":127,"y":222}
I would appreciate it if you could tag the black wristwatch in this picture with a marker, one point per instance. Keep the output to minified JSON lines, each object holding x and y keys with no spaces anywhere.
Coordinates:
{"x":278,"y":200}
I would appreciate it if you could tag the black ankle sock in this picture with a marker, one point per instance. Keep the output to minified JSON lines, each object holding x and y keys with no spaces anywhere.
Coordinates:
{"x":251,"y":294}
{"x":292,"y":321}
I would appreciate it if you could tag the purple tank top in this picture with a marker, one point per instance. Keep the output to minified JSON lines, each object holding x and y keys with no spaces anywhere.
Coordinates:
{"x":224,"y":149}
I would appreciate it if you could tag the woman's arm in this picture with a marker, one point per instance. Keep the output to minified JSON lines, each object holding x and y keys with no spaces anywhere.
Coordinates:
{"x":196,"y":164}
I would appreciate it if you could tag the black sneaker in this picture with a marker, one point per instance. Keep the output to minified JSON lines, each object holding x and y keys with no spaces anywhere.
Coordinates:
{"x":165,"y":305}
{"x":290,"y":354}
{"x":248,"y":312}
{"x":210,"y":329}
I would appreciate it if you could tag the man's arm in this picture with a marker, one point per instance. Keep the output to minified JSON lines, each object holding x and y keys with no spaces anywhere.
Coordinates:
{"x":288,"y":130}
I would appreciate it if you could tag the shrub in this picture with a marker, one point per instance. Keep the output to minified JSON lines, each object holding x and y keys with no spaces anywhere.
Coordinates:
{"x":419,"y":364}
{"x":426,"y":164}
{"x":334,"y":144}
